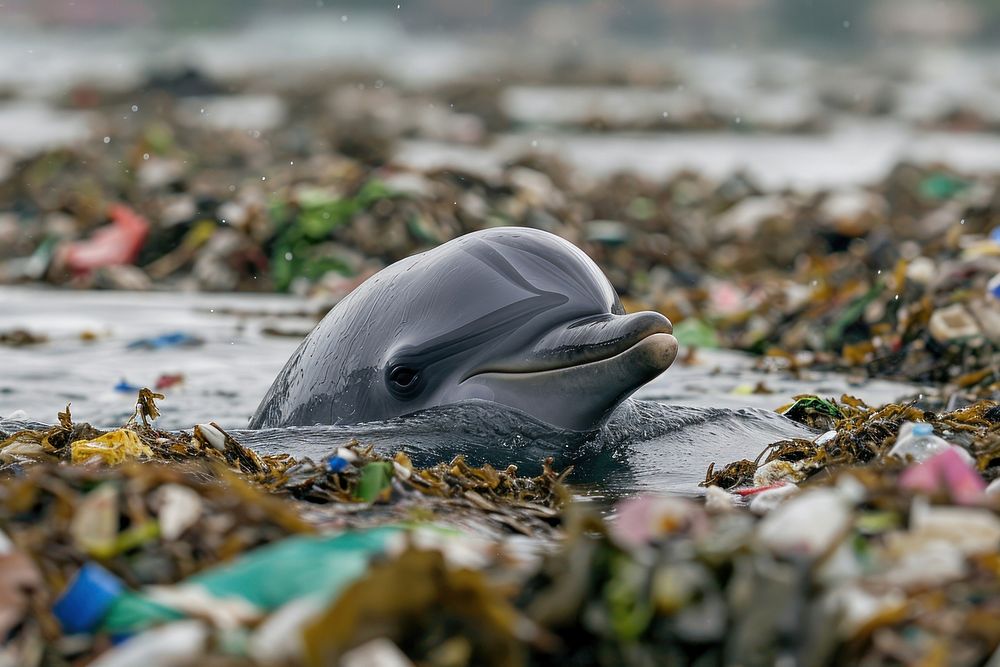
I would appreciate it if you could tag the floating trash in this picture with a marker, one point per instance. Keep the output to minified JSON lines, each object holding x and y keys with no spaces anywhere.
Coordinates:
{"x":21,"y":338}
{"x":125,"y":387}
{"x":111,"y":448}
{"x":167,"y":340}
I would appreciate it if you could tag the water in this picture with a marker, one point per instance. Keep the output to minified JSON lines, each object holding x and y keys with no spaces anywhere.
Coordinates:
{"x":280,"y":52}
{"x":687,"y":418}
{"x":853,"y":152}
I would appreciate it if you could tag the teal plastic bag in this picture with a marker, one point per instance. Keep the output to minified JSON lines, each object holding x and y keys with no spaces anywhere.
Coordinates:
{"x":265,"y":578}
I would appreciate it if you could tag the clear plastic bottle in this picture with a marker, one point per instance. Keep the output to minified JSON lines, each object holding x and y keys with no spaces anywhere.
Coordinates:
{"x":916,"y":440}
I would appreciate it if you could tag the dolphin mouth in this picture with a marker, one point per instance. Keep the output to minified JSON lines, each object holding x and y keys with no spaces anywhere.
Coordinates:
{"x":661,"y":344}
{"x":578,"y":397}
{"x":582,"y":341}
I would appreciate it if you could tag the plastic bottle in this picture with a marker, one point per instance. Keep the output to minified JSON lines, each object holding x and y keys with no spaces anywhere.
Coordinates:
{"x":916,"y":440}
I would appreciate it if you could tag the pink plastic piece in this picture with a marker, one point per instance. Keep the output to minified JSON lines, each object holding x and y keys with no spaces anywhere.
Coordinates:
{"x":948,"y":471}
{"x":111,"y":245}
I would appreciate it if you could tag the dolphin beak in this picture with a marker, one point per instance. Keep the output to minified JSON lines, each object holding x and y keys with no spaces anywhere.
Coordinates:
{"x":578,"y":373}
{"x":579,"y":341}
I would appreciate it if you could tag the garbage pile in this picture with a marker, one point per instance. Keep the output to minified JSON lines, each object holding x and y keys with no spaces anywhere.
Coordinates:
{"x":94,"y":513}
{"x":898,"y":279}
{"x":855,"y":434}
{"x":134,"y":546}
{"x":351,"y":478}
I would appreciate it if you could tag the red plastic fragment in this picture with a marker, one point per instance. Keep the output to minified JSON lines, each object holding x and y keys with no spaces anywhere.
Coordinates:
{"x":166,"y":380}
{"x":111,"y":245}
{"x":754,"y":490}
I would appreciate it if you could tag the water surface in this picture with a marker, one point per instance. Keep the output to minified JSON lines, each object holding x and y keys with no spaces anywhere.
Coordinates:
{"x":687,"y":418}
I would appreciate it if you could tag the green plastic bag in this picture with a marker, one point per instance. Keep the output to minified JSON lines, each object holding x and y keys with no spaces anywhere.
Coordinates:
{"x":265,"y":578}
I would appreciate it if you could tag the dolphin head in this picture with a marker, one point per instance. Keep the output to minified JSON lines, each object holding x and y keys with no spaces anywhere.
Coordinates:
{"x":516,"y":316}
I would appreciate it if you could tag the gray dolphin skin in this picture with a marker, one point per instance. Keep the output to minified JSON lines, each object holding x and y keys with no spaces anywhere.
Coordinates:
{"x":512,"y":315}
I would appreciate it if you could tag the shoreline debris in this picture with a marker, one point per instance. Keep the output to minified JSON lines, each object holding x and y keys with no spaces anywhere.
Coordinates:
{"x":193,"y":545}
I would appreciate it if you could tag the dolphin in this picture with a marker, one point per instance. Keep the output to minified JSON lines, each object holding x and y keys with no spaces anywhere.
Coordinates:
{"x":514,"y":316}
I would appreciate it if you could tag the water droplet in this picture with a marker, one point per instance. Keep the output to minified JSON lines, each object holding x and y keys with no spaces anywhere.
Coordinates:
{"x":107,"y":140}
{"x":135,"y":107}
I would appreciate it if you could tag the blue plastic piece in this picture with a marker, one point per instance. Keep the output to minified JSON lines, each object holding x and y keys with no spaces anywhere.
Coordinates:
{"x":174,"y":339}
{"x":995,"y":235}
{"x":337,"y":464}
{"x":993,"y":286}
{"x":922,"y":429}
{"x":87,"y":599}
{"x":124,"y":387}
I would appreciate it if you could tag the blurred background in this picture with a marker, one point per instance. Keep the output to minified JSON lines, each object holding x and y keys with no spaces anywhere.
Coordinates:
{"x":810,"y":182}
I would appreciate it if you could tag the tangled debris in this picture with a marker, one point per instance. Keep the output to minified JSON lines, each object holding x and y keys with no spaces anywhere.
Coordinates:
{"x":21,"y":338}
{"x":353,"y":475}
{"x":857,"y":434}
{"x":193,"y":546}
{"x":155,"y":508}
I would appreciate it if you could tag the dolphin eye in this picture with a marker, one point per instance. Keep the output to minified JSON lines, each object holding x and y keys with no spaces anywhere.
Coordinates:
{"x":402,"y":376}
{"x":404,"y":382}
